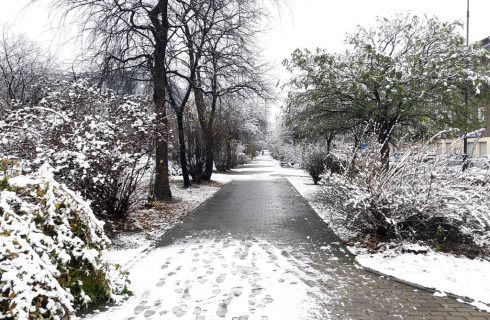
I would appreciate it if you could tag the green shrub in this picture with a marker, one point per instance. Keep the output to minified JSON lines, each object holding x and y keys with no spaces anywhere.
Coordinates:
{"x":314,"y":163}
{"x":51,"y":262}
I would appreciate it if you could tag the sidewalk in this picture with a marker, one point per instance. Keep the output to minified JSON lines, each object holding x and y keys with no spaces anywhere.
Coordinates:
{"x":256,"y":250}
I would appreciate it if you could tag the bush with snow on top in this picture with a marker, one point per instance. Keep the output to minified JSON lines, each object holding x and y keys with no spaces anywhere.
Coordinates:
{"x":51,"y":246}
{"x":99,"y":144}
{"x":414,"y":200}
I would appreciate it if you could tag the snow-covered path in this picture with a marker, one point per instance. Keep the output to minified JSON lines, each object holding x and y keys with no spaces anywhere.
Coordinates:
{"x":220,"y":278}
{"x":256,"y":250}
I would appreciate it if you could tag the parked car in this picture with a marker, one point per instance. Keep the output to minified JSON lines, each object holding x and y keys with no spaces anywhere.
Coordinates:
{"x":429,"y":156}
{"x":454,"y":159}
{"x":396,"y":156}
{"x":483,"y":162}
{"x":283,"y":162}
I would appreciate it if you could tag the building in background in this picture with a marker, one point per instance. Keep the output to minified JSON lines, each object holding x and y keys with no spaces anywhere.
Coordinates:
{"x":478,"y":143}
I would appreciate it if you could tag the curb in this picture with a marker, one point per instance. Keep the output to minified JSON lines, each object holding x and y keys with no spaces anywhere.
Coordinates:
{"x":462,"y":299}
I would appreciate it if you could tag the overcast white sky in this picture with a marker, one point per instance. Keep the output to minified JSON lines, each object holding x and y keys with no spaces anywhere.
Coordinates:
{"x":298,"y":24}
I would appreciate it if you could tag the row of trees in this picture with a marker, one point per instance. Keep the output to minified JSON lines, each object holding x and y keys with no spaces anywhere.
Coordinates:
{"x":198,"y":61}
{"x":406,"y":75}
{"x":192,"y":52}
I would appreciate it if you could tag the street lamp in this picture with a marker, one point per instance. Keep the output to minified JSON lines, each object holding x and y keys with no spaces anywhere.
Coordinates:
{"x":465,"y":138}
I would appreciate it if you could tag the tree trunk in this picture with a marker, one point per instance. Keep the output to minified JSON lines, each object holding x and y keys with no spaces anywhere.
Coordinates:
{"x":162,"y":183}
{"x":207,"y":132}
{"x":383,"y":139}
{"x":182,"y":148}
{"x":209,"y":155}
{"x":330,"y":138}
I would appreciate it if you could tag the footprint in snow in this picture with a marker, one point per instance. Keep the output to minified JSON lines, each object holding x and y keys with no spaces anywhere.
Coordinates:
{"x":140,"y":308}
{"x":222,"y":310}
{"x":237,"y":291}
{"x":179,"y":311}
{"x":197,"y":311}
{"x":202,"y":279}
{"x":255,"y":292}
{"x":148,"y":313}
{"x":216,"y":291}
{"x":161,"y":282}
{"x":267,"y":299}
{"x":221,"y":278}
{"x":158,"y":303}
{"x":186,"y":295}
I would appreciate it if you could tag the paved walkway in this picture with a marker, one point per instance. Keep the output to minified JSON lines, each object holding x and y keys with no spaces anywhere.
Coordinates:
{"x":275,"y":237}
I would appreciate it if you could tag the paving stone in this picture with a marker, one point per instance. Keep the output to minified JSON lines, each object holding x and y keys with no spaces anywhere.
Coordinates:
{"x":272,"y":210}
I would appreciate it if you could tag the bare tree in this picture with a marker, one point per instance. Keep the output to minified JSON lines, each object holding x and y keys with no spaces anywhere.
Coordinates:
{"x":134,"y":34}
{"x":22,"y":65}
{"x":194,"y":20}
{"x":229,"y":67}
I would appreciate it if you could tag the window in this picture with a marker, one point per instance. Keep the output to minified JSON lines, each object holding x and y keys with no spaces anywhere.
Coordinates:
{"x":483,"y":149}
{"x":481,"y":114}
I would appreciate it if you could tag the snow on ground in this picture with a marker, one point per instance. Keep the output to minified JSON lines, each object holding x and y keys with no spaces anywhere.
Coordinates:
{"x":151,"y":224}
{"x":227,"y":279}
{"x":442,"y":272}
{"x":129,"y":247}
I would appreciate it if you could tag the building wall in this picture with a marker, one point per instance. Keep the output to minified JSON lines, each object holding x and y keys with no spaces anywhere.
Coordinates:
{"x":476,"y":147}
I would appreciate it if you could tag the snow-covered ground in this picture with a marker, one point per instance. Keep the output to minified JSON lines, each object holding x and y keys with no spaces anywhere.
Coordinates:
{"x":129,"y":247}
{"x":445,"y":273}
{"x":227,"y":279}
{"x":440,"y":271}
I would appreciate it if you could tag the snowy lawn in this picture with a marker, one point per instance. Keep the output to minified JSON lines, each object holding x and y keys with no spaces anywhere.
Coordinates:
{"x":445,"y":273}
{"x":227,"y":278}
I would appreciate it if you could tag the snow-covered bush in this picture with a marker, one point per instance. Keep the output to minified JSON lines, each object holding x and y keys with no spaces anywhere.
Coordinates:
{"x":432,"y":201}
{"x":51,"y":243}
{"x":314,"y":163}
{"x":98,"y":143}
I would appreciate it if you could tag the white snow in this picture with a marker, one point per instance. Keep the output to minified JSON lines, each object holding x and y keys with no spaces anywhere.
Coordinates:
{"x":195,"y":290}
{"x":130,"y":247}
{"x":213,"y":279}
{"x":443,"y":272}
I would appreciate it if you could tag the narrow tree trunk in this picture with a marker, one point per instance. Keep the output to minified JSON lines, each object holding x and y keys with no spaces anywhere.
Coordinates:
{"x":182,"y":149}
{"x":162,"y":182}
{"x":330,"y":138}
{"x":207,"y":132}
{"x":209,"y":156}
{"x":383,"y":138}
